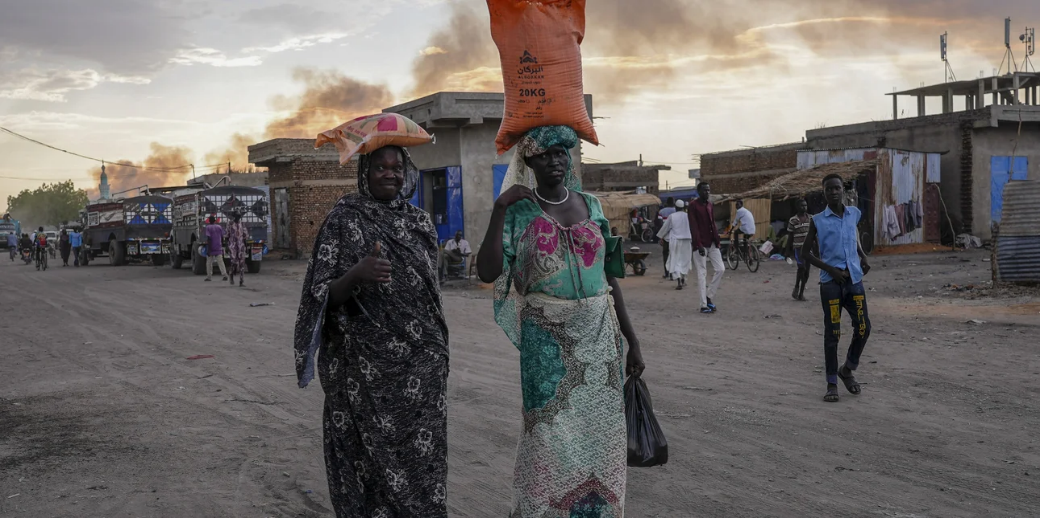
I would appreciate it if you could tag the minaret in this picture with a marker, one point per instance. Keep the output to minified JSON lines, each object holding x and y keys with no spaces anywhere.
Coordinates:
{"x":103,"y":188}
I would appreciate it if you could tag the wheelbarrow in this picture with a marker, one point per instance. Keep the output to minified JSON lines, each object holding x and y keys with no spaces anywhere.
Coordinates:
{"x":636,"y":261}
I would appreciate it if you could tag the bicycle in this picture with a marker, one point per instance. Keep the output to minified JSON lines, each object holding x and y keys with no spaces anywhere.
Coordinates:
{"x":742,"y":253}
{"x":41,"y":259}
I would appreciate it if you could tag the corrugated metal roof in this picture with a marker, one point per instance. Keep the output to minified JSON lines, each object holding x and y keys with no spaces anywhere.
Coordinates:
{"x":1018,"y":239}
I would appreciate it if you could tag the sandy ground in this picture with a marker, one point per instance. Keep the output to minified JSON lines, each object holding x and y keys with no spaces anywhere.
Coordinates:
{"x":103,"y":415}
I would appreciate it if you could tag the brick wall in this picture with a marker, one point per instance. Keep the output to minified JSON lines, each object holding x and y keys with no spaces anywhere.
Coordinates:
{"x":314,"y":188}
{"x":601,"y":180}
{"x":308,"y":207}
{"x":741,"y":183}
{"x":762,"y":159}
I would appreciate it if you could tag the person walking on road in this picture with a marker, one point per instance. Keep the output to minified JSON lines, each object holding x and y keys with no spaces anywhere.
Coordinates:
{"x":371,"y":311}
{"x":832,"y":245}
{"x":708,"y":244}
{"x":12,"y":244}
{"x":663,"y":215}
{"x":544,"y":250}
{"x":214,"y":248}
{"x":64,"y":247}
{"x":76,"y":242}
{"x":236,"y":241}
{"x":676,"y":234}
{"x":798,"y":227}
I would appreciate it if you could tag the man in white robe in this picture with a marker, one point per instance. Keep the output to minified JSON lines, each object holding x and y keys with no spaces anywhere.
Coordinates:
{"x":676,"y":232}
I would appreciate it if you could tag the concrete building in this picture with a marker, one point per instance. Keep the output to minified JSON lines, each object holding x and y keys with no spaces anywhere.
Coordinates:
{"x":981,"y":146}
{"x":622,"y":176}
{"x":976,"y":150}
{"x":461,"y":172}
{"x":304,"y":184}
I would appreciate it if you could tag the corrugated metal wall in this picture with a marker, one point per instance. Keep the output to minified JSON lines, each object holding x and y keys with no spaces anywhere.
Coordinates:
{"x":810,"y":159}
{"x":1018,"y":241}
{"x":900,"y":181}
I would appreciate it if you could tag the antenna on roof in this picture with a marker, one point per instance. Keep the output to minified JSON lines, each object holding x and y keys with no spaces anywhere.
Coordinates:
{"x":943,"y":42}
{"x":1028,"y":38}
{"x":1009,"y":56}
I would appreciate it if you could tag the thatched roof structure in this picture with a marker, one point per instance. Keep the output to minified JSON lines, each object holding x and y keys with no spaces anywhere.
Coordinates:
{"x":800,"y":183}
{"x":617,"y":206}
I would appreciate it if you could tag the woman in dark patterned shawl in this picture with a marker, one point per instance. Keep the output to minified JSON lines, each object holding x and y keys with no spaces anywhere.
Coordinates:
{"x":371,"y":305}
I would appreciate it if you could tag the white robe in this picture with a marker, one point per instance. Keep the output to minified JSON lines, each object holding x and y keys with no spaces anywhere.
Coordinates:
{"x":676,"y":231}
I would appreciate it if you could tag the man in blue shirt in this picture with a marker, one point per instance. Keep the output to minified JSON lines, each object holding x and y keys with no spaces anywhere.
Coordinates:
{"x":76,"y":240}
{"x":833,"y":246}
{"x":12,"y":244}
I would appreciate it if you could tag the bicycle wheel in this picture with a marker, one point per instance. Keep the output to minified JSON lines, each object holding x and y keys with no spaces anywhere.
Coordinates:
{"x":732,"y":258}
{"x":866,"y":240}
{"x":752,"y":259}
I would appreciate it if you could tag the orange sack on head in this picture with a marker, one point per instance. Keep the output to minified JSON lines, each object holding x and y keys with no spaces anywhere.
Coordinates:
{"x":539,"y":42}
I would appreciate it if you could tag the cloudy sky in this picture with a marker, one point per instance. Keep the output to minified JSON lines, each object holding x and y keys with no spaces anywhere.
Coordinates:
{"x":169,"y":82}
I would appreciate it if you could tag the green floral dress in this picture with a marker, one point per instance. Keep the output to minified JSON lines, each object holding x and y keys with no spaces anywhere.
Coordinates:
{"x":554,"y":303}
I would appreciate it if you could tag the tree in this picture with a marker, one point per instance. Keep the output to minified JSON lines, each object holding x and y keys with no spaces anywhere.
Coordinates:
{"x":49,"y":204}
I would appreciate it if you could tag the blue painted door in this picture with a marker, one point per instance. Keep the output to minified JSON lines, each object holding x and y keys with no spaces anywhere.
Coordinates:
{"x":456,"y":214}
{"x":499,"y":174}
{"x":417,"y":200}
{"x":1000,"y":168}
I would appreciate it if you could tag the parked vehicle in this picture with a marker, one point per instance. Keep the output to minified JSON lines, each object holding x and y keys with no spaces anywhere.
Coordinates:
{"x":9,"y":226}
{"x":52,"y":242}
{"x":191,"y":212}
{"x":135,"y":228}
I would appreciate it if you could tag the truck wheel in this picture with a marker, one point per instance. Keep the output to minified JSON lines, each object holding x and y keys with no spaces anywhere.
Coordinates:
{"x":158,"y":260}
{"x":175,"y":259}
{"x":116,"y":253}
{"x":198,"y":263}
{"x":253,"y":266}
{"x":85,"y":259}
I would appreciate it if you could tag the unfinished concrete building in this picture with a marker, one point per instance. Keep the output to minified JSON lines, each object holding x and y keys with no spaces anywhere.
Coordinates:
{"x":982,"y":147}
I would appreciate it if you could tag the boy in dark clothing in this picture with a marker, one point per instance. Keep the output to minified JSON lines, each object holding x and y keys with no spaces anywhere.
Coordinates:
{"x":832,"y":245}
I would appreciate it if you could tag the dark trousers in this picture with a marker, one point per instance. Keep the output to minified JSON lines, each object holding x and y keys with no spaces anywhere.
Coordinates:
{"x":664,"y":252}
{"x":75,"y":255}
{"x":851,"y":298}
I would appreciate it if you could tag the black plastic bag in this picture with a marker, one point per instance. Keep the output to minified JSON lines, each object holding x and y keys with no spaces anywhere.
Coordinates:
{"x":646,"y":443}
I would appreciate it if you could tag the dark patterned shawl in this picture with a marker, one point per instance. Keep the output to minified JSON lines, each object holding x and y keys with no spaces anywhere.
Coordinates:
{"x":408,"y":308}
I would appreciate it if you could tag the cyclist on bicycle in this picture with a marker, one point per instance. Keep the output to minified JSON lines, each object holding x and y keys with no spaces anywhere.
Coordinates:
{"x":40,"y":246}
{"x":743,"y":225}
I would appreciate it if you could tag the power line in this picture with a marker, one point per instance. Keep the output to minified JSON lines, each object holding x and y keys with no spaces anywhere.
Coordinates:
{"x":122,"y":164}
{"x":38,"y":179}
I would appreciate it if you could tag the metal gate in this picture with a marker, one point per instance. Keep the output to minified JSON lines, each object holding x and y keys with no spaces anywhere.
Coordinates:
{"x":281,"y":217}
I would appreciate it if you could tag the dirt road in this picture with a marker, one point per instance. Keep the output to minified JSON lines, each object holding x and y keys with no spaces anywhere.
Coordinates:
{"x":102,"y":414}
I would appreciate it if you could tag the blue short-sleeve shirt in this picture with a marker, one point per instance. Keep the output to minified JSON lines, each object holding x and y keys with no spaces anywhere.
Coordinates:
{"x":838,"y":237}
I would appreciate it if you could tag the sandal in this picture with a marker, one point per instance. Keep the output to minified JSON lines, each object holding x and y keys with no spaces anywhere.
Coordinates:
{"x":850,"y":381}
{"x":832,"y":394}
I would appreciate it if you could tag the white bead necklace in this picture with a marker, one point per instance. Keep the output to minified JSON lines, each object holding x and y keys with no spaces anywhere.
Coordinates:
{"x":561,"y":202}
